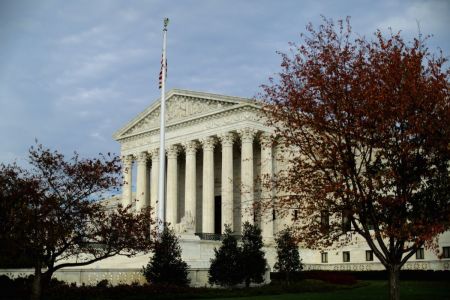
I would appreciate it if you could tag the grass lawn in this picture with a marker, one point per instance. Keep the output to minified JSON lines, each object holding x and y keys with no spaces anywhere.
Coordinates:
{"x":308,"y":289}
{"x":410,"y":290}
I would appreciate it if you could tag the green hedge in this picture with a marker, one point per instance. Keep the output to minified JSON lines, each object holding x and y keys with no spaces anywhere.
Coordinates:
{"x":349,"y":276}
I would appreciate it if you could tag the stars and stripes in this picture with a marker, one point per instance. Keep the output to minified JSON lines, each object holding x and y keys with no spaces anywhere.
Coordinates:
{"x":163,"y":65}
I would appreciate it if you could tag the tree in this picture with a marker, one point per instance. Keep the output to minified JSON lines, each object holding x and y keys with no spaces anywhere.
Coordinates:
{"x":50,"y":212}
{"x":226,"y":268}
{"x":253,"y":260}
{"x":166,"y":265}
{"x":288,"y":258}
{"x":367,"y":127}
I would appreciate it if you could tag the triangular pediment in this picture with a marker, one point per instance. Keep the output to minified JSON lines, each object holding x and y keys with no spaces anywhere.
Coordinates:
{"x":181,"y":105}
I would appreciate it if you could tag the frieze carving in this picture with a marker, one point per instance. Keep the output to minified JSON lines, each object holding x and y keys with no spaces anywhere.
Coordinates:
{"x":233,"y":118}
{"x":178,"y":108}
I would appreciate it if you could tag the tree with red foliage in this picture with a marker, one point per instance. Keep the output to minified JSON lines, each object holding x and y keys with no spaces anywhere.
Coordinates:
{"x":367,"y":128}
{"x":50,"y":210}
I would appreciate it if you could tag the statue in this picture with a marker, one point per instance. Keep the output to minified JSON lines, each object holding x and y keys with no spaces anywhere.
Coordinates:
{"x":187,"y":224}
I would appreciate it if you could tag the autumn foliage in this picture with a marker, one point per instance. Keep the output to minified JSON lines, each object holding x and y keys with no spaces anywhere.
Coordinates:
{"x":49,"y":211}
{"x":366,"y":125}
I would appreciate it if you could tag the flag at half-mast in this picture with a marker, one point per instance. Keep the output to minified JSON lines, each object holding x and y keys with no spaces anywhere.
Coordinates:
{"x":163,"y":65}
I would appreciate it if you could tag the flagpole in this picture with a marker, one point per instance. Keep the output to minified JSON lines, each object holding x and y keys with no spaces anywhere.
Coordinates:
{"x":162,"y":135}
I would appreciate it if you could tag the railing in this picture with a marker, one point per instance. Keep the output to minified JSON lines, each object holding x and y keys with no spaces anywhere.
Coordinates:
{"x":209,"y":236}
{"x":214,"y":236}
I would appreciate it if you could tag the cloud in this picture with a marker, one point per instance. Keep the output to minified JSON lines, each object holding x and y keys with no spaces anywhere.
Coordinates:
{"x":97,"y":136}
{"x":130,"y":15}
{"x":88,"y":97}
{"x":83,"y":37}
{"x":88,"y":67}
{"x":430,"y":15}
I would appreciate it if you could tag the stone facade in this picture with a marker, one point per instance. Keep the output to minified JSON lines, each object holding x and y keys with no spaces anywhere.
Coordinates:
{"x":214,"y":154}
{"x":218,"y":147}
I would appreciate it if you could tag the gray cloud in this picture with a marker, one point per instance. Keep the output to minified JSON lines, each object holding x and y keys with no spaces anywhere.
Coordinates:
{"x":71,"y":73}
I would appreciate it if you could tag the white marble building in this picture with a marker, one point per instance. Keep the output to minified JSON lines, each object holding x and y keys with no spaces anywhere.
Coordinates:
{"x":217,"y":148}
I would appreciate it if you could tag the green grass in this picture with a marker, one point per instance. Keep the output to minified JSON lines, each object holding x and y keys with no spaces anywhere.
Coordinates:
{"x":308,"y":289}
{"x":369,"y":290}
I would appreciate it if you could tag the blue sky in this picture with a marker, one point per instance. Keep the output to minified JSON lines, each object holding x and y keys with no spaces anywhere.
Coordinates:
{"x":73,"y":72}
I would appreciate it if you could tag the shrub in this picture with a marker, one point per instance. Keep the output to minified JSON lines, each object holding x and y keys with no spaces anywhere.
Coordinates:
{"x":288,"y":258}
{"x":226,"y":266}
{"x":103,"y":283}
{"x":253,"y":260}
{"x":166,"y":265}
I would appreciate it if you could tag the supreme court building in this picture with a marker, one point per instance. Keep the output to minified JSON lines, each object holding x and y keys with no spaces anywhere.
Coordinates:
{"x":217,"y":147}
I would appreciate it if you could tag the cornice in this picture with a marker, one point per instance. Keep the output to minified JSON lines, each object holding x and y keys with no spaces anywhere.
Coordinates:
{"x":192,"y":121}
{"x":186,"y":93}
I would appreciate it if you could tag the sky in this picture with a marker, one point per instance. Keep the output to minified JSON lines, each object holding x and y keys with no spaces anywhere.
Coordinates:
{"x":74,"y":72}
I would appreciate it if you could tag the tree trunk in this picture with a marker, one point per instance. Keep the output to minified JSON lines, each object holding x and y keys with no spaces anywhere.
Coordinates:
{"x":247,"y":282}
{"x":287,"y":278}
{"x":36,"y":288}
{"x":46,"y":278}
{"x":394,"y":286}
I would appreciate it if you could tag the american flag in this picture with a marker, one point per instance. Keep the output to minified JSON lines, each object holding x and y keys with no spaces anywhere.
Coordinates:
{"x":161,"y":73}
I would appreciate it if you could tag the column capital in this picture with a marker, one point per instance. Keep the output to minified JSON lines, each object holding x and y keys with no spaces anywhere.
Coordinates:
{"x":247,"y":134}
{"x":227,"y":139}
{"x":154,"y":153}
{"x":172,"y":151}
{"x":190,"y":147}
{"x":142,"y":158}
{"x":266,"y":140}
{"x":208,"y":143}
{"x":127,"y":160}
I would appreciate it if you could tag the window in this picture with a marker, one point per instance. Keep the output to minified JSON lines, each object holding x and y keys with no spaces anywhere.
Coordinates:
{"x":346,"y":256}
{"x":446,"y":252}
{"x":369,"y":255}
{"x":273,"y":214}
{"x":420,"y":254}
{"x":324,"y":257}
{"x":346,"y":224}
{"x":325,"y":220}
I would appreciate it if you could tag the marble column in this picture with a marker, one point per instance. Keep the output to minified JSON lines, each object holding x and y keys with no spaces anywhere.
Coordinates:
{"x":227,"y":140}
{"x":266,"y":190}
{"x":208,"y":185}
{"x":190,"y":186}
{"x":172,"y":185}
{"x":154,"y":178}
{"x":247,"y":178}
{"x":127,"y":195}
{"x":141,"y":192}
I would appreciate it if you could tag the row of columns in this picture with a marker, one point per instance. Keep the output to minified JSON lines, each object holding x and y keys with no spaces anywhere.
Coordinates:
{"x":227,"y":140}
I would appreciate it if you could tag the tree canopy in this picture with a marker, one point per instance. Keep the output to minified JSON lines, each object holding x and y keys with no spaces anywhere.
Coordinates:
{"x":49,"y":211}
{"x":367,"y":126}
